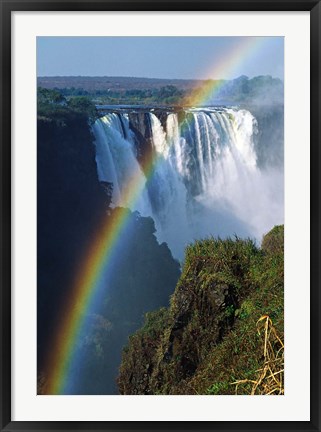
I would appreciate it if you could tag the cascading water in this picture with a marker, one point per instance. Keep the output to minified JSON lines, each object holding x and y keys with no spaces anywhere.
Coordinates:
{"x":205,"y":178}
{"x":116,"y":159}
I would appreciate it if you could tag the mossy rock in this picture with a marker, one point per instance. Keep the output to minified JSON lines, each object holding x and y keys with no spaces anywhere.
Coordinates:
{"x":208,"y":338}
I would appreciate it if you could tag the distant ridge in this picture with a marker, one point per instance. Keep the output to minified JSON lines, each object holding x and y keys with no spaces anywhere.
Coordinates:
{"x":260,"y":90}
{"x":113,"y":83}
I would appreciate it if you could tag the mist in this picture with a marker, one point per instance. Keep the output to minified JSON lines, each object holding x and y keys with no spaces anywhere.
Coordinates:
{"x":213,"y":173}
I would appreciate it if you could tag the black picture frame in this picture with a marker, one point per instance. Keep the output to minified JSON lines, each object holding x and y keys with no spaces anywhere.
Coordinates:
{"x":7,"y":7}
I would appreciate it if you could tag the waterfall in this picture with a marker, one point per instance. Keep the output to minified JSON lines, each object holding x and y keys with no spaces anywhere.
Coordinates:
{"x":205,"y":178}
{"x":116,"y":159}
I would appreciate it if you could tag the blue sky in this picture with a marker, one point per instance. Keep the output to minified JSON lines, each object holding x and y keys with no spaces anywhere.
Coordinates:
{"x":156,"y":57}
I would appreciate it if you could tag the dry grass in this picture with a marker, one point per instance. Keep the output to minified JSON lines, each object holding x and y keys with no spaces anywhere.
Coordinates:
{"x":270,"y":377}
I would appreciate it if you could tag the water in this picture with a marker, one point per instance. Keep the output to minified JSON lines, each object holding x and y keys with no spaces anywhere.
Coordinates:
{"x":206,"y":179}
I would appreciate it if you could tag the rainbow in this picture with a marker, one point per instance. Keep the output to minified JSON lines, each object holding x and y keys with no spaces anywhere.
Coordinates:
{"x":225,"y":68}
{"x":86,"y":286}
{"x":103,"y":249}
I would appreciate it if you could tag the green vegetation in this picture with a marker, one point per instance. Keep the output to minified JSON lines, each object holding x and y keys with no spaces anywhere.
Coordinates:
{"x":208,"y":339}
{"x":53,"y":106}
{"x":164,"y":95}
{"x":269,"y":378}
{"x":147,"y":91}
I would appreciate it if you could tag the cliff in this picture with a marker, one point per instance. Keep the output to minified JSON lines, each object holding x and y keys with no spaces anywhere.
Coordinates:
{"x":207,"y":341}
{"x":72,"y":203}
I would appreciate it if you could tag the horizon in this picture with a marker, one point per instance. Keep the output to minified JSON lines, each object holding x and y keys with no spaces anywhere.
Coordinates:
{"x":159,"y":78}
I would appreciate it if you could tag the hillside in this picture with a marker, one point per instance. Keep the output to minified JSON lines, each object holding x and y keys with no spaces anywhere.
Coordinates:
{"x":261,"y":90}
{"x":223,"y":331}
{"x":91,"y":84}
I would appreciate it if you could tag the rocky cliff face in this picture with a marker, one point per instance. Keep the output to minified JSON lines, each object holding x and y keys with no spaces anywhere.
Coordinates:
{"x":207,"y":337}
{"x":72,"y":203}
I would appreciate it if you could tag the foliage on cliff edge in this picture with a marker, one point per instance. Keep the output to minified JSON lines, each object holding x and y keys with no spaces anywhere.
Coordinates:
{"x":208,"y":339}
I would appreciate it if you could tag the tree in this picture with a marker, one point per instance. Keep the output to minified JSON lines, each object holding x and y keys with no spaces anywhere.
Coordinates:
{"x":47,"y":96}
{"x":83,"y":104}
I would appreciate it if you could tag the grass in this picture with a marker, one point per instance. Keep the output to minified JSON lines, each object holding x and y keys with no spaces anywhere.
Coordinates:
{"x":223,"y":331}
{"x":270,"y":377}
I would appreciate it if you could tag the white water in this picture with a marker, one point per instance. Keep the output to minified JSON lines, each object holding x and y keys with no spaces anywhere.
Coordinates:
{"x":116,"y":161}
{"x":206,"y":180}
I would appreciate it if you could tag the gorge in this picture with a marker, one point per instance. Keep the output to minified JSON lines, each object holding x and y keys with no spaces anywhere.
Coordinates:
{"x":159,"y":177}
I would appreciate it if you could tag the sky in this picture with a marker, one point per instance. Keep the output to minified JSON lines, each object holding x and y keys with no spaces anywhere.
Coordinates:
{"x":160,"y":57}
